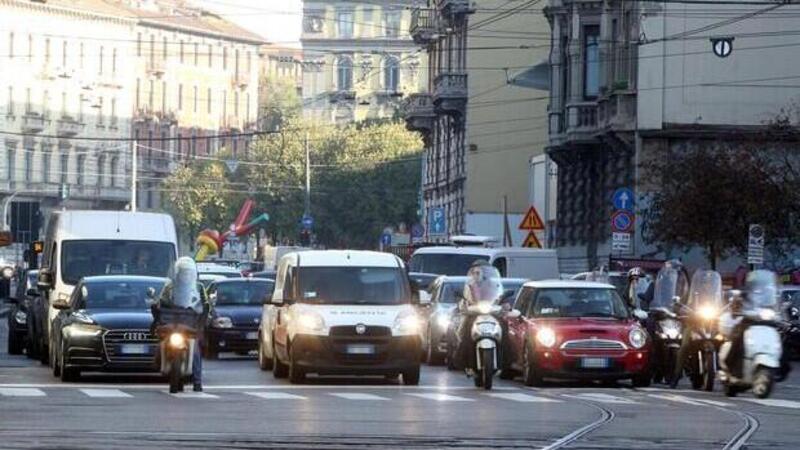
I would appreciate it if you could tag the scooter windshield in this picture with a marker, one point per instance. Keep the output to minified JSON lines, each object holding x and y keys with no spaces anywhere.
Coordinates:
{"x":669,"y":284}
{"x":762,"y":288}
{"x":706,"y":289}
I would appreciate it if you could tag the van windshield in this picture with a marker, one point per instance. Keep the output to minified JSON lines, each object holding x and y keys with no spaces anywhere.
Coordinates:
{"x":112,"y":257}
{"x":353,"y":286}
{"x":452,"y":264}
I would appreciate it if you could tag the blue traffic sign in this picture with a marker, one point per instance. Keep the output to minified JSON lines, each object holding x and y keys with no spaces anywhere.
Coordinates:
{"x":437,"y":221}
{"x":417,"y":231}
{"x":622,"y":221}
{"x":386,"y":239}
{"x":307,"y":222}
{"x":623,"y":199}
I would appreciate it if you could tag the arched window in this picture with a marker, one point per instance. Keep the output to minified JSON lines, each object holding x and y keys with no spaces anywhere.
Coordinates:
{"x":391,"y":73}
{"x":344,"y":73}
{"x":113,"y":171}
{"x":101,"y":170}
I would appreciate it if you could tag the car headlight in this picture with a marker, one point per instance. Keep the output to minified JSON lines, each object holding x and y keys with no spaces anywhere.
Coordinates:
{"x":21,"y":317}
{"x":222,"y":322}
{"x":637,"y":337}
{"x":406,"y":323}
{"x":8,"y":273}
{"x":84,"y":330}
{"x":708,"y":312}
{"x":82,"y":318}
{"x":310,"y":323}
{"x":443,"y":321}
{"x":484,"y":307}
{"x":546,"y":337}
{"x":176,"y":340}
{"x":488,"y":328}
{"x":766,"y":314}
{"x":671,"y":329}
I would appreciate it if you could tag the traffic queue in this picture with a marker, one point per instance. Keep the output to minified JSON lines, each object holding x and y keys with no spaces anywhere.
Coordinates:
{"x":112,"y":295}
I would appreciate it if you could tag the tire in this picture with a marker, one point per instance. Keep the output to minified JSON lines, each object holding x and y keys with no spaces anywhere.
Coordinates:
{"x":507,"y":374}
{"x":211,"y":352}
{"x":296,"y":373}
{"x":730,"y":390}
{"x":694,"y":374}
{"x":175,"y":378}
{"x":641,"y":381}
{"x":451,"y":366}
{"x":432,"y":357}
{"x":487,"y":368}
{"x":763,"y":381}
{"x":68,"y":374}
{"x":15,"y":343}
{"x":54,"y":362}
{"x":709,"y":370}
{"x":411,"y":376}
{"x":264,"y":363}
{"x":529,"y":373}
{"x":33,"y":344}
{"x":279,"y":369}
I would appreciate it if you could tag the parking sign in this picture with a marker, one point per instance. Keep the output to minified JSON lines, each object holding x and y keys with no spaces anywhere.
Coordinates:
{"x":437,"y":222}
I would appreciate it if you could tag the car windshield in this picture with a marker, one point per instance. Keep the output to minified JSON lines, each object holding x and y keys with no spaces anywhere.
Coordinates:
{"x":579,"y":302}
{"x":120,"y":294}
{"x":251,"y":292}
{"x":450,"y":292}
{"x":113,"y":257}
{"x":353,"y":286}
{"x":223,"y":274}
{"x":33,"y":277}
{"x":452,"y":264}
{"x":514,"y":287}
{"x":792,"y":296}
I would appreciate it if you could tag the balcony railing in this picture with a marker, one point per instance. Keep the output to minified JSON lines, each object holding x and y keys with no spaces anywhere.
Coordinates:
{"x":240,"y":79}
{"x":423,"y":29}
{"x":155,"y":66}
{"x":33,"y":122}
{"x":454,"y":7}
{"x":67,"y":126}
{"x":582,"y":117}
{"x":418,"y":112}
{"x":450,"y":93}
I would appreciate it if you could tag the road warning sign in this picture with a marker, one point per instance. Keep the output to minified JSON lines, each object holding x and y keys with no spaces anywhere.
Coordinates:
{"x":532,"y":241}
{"x":531,"y":221}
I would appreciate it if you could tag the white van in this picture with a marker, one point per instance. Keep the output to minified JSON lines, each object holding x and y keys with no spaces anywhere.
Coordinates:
{"x":87,"y":243}
{"x":341,"y":312}
{"x":512,"y":262}
{"x":273,"y":254}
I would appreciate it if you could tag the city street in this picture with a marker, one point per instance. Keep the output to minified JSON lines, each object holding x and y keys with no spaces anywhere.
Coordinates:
{"x":244,"y":407}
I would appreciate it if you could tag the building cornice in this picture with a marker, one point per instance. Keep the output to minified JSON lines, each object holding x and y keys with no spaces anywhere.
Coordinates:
{"x":147,"y":23}
{"x":68,"y":12}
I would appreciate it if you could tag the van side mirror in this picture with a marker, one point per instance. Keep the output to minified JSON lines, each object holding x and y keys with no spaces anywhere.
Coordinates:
{"x":32,"y":292}
{"x":277,"y":301}
{"x":60,"y":303}
{"x":45,"y":280}
{"x":151,"y":293}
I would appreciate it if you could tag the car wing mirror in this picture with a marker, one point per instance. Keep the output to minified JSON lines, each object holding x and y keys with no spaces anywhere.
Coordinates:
{"x":640,"y":314}
{"x":514,"y":314}
{"x":32,"y":292}
{"x":60,"y":303}
{"x":45,"y":279}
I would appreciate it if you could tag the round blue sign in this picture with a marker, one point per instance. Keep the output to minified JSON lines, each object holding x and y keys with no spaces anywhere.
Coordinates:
{"x":622,"y":221}
{"x":307,"y":222}
{"x":386,"y":239}
{"x":417,"y":231}
{"x":623,"y":199}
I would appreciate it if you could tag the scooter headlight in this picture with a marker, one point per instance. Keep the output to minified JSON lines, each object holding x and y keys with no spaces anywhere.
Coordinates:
{"x":222,"y":322}
{"x":176,"y":340}
{"x":766,"y":314}
{"x":484,"y":307}
{"x":708,"y":312}
{"x":546,"y":337}
{"x":407,"y":323}
{"x":21,"y":317}
{"x":443,"y":321}
{"x":671,"y":329}
{"x":637,"y":337}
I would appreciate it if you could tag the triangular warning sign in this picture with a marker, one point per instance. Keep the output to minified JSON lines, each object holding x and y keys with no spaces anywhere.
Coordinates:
{"x":532,"y":241}
{"x":532,"y":221}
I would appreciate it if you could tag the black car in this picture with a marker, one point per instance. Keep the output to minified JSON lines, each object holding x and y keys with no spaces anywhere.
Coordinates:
{"x":236,"y":314}
{"x":790,"y":297}
{"x":21,"y":303}
{"x":105,"y":326}
{"x":268,"y":274}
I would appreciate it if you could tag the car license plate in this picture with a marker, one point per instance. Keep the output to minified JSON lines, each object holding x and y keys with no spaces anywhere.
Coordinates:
{"x":594,"y":363}
{"x":253,"y":335}
{"x":134,"y":349}
{"x":360,"y":349}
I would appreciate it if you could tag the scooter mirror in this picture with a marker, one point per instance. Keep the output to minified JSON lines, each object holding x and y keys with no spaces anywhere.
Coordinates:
{"x":514,"y":314}
{"x":640,"y":314}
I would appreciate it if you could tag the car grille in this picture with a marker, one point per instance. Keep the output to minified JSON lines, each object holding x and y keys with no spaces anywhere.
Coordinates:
{"x":593,"y":344}
{"x":369,"y":331}
{"x":114,"y":340}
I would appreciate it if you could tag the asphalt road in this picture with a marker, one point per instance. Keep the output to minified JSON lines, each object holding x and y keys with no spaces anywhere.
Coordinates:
{"x":243,"y":407}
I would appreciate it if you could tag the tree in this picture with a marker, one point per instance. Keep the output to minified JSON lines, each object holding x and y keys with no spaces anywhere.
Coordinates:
{"x":279,"y":102}
{"x":197,"y":195}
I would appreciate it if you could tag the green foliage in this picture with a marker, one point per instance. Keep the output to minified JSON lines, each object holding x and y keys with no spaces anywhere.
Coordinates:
{"x":192,"y":196}
{"x":280,"y":102}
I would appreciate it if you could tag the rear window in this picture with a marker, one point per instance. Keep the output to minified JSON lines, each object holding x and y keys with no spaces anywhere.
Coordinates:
{"x":243,"y":292}
{"x":452,"y":264}
{"x":353,"y":286}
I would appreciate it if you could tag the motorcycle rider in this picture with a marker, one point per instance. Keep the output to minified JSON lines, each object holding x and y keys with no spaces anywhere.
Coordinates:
{"x":682,"y":292}
{"x":181,"y":292}
{"x":638,"y":284}
{"x":483,"y":283}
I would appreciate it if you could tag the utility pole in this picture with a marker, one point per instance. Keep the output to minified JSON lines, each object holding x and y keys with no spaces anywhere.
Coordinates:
{"x":134,"y":170}
{"x":307,"y":211}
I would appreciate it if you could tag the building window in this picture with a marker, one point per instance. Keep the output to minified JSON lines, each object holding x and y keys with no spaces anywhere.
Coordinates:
{"x":11,"y":45}
{"x":236,"y":104}
{"x":101,"y":169}
{"x":112,"y":171}
{"x":46,"y":166}
{"x":391,"y":73}
{"x":80,"y":56}
{"x":138,"y":92}
{"x":28,"y":105}
{"x":28,"y":164}
{"x":247,"y":110}
{"x":224,"y":58}
{"x":391,"y":23}
{"x":45,"y":105}
{"x":113,"y":112}
{"x":63,"y":104}
{"x":164,"y":49}
{"x":195,"y":99}
{"x":196,"y":53}
{"x":139,"y":44}
{"x":180,"y":46}
{"x":100,"y":70}
{"x":114,"y":61}
{"x":11,"y":156}
{"x":591,"y":62}
{"x":210,"y":55}
{"x":47,"y":50}
{"x":344,"y":73}
{"x":152,"y":48}
{"x":249,"y":62}
{"x":81,"y":100}
{"x":64,"y":55}
{"x":150,"y":95}
{"x":164,"y":97}
{"x":64,"y":167}
{"x":30,"y":47}
{"x":81,"y":163}
{"x":208,"y":100}
{"x":344,"y":24}
{"x":236,"y":62}
{"x":10,"y":106}
{"x":180,"y":97}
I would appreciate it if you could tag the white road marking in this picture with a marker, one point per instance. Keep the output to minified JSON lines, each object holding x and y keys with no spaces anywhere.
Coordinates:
{"x":276,"y":396}
{"x":357,"y":396}
{"x":689,"y":401}
{"x":775,"y":402}
{"x":192,"y":394}
{"x":106,"y":393}
{"x":439,"y":397}
{"x":603,"y":398}
{"x":160,"y":386}
{"x":21,"y":392}
{"x":517,"y":397}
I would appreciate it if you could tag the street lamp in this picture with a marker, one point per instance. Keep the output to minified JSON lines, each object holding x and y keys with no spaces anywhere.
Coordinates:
{"x":5,"y":210}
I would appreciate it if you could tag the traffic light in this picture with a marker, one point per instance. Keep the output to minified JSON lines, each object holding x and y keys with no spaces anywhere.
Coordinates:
{"x":305,"y":237}
{"x":37,"y":247}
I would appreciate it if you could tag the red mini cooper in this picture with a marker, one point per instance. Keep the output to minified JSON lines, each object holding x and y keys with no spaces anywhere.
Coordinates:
{"x":575,"y":330}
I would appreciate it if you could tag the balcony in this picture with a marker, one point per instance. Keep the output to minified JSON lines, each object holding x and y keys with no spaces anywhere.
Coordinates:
{"x":424,"y":26}
{"x":231,"y":122}
{"x":450,"y":93}
{"x":451,"y":8}
{"x":68,"y":127}
{"x":418,"y":112}
{"x":240,"y":80}
{"x":155,"y":66}
{"x":33,"y":122}
{"x":617,"y":111}
{"x":342,"y":95}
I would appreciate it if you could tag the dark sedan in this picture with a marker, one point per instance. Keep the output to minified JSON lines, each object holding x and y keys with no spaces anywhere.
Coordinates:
{"x":236,"y":314}
{"x":105,"y":326}
{"x":19,"y":313}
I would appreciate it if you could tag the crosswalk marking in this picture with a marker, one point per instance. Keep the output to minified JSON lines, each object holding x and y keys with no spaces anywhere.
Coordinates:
{"x":106,"y":393}
{"x":357,"y":396}
{"x":276,"y":396}
{"x":687,"y":400}
{"x":439,"y":397}
{"x":775,"y":402}
{"x":517,"y":397}
{"x":22,"y":392}
{"x":192,"y":394}
{"x":603,"y":398}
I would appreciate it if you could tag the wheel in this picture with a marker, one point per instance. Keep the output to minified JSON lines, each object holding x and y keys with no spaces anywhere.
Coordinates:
{"x":432,"y":357}
{"x":175,"y":379}
{"x":709,"y":370}
{"x":694,"y":373}
{"x":529,"y":373}
{"x":33,"y":344}
{"x":264,"y":363}
{"x":730,"y":390}
{"x":54,"y":362}
{"x":641,"y":381}
{"x":15,"y":343}
{"x":487,"y":368}
{"x":668,"y":368}
{"x":296,"y":373}
{"x":411,"y":376}
{"x":44,"y":353}
{"x":67,"y":374}
{"x":210,"y":351}
{"x":450,"y":361}
{"x":763,"y":381}
{"x":279,"y":369}
{"x":507,"y":374}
